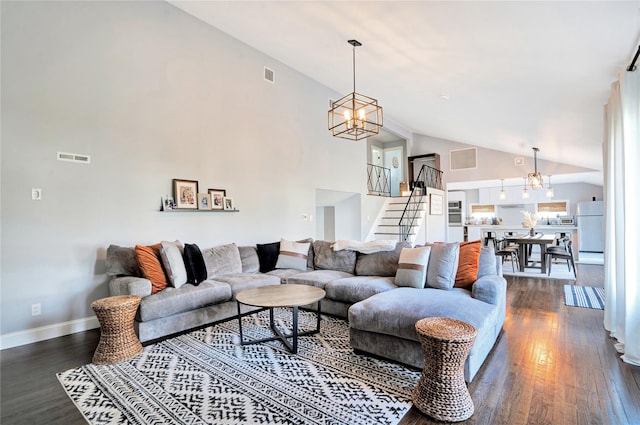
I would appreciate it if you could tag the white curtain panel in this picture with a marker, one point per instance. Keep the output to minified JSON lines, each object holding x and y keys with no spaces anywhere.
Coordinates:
{"x":621,"y":179}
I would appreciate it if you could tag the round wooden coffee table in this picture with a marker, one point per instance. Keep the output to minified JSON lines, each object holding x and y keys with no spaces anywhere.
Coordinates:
{"x":441,"y":392}
{"x":118,"y":339}
{"x":286,"y":295}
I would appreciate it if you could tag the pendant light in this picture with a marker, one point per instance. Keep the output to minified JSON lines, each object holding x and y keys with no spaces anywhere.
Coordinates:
{"x":502,"y":195}
{"x":549,"y":189}
{"x":355,"y":116}
{"x":535,"y":178}
{"x":525,"y":191}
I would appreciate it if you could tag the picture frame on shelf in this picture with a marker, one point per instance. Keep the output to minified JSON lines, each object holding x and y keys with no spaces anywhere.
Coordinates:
{"x":217,"y":198}
{"x":228,"y":204}
{"x":167,"y":203}
{"x":204,"y":201}
{"x":185,"y":194}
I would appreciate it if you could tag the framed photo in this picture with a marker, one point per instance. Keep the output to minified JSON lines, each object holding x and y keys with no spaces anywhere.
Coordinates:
{"x":435,"y":204}
{"x":217,"y":198}
{"x":167,"y":203}
{"x":185,"y":194}
{"x":204,"y":201}
{"x":228,"y":203}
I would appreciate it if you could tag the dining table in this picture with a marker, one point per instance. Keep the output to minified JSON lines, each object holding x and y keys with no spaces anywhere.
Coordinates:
{"x":525,"y":241}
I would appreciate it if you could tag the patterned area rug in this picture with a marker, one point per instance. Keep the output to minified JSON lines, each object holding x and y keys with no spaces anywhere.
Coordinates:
{"x":206,"y":377}
{"x":584,"y":296}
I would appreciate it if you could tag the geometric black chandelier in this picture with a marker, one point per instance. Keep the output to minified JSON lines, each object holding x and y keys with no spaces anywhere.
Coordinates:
{"x":535,"y":178}
{"x":355,"y":116}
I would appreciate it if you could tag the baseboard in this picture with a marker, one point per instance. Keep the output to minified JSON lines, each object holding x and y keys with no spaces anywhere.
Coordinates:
{"x":41,"y":333}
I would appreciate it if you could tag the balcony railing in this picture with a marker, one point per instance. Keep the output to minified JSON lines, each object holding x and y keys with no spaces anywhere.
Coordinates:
{"x":378,"y":180}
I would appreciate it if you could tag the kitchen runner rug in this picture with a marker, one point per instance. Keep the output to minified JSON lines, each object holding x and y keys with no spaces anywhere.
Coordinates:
{"x":206,"y":377}
{"x":584,"y":296}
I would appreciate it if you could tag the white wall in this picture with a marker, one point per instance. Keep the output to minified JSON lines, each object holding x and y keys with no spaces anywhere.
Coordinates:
{"x":492,"y":164}
{"x":151,"y":94}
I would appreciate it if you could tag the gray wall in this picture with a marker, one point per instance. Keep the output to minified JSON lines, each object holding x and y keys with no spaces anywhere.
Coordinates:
{"x":151,"y":94}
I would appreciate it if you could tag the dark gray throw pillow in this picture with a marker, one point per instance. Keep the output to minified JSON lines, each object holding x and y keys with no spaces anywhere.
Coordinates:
{"x":194,"y":263}
{"x":121,"y":261}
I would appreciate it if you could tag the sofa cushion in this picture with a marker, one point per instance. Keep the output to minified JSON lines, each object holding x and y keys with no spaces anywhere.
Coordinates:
{"x":149,"y":262}
{"x":283,"y":274}
{"x":171,"y":254}
{"x":186,"y":298}
{"x":381,"y":313}
{"x":194,"y":263}
{"x":293,"y":255}
{"x":317,"y":278}
{"x":249,"y":259}
{"x":412,"y":267}
{"x":325,"y":258}
{"x":268,"y":256}
{"x":122,"y":261}
{"x":357,"y":288}
{"x":381,"y":263}
{"x":242,"y":281}
{"x":468,"y":262}
{"x":443,"y":265}
{"x":222,"y":259}
{"x":487,"y":262}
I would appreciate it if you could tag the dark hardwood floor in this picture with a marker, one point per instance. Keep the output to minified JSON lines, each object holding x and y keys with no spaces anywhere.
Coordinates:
{"x":553,"y":364}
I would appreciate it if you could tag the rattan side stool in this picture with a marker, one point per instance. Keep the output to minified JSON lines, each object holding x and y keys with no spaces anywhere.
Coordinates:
{"x":118,"y":339}
{"x":441,"y":392}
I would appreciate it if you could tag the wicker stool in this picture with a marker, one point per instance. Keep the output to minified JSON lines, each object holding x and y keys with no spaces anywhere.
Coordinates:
{"x":118,"y":340}
{"x":442,"y":392}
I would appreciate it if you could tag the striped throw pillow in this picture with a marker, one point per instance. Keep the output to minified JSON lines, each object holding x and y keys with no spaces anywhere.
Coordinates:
{"x":412,"y":267}
{"x":293,"y":255}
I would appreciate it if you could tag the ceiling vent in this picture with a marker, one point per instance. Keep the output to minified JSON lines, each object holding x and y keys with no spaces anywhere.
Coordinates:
{"x":463,"y":159}
{"x":74,"y":157}
{"x":269,"y":75}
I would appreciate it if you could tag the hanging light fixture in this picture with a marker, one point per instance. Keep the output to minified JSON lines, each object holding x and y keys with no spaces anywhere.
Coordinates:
{"x":535,"y":178}
{"x":502,"y":195}
{"x":355,"y":116}
{"x":549,"y":189}
{"x":525,"y":191}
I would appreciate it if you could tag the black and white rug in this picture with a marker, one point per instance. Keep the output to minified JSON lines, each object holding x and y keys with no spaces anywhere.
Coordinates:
{"x":584,"y":296}
{"x":206,"y":377}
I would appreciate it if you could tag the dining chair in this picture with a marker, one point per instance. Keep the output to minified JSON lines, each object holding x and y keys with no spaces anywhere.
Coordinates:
{"x":563,"y":254}
{"x":504,"y":250}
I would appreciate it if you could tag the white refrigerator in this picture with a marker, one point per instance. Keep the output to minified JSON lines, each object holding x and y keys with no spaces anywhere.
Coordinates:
{"x":590,"y":221}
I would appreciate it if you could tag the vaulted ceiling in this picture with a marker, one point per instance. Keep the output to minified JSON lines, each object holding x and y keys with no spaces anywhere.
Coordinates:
{"x":502,"y":75}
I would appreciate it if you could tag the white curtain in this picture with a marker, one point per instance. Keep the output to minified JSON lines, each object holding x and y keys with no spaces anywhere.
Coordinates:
{"x":622,"y":215}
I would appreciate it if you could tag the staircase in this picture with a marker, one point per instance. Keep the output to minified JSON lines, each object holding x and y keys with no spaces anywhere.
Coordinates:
{"x":388,"y":226}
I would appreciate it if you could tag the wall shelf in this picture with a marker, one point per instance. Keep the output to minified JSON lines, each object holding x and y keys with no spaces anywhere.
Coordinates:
{"x":199,"y":211}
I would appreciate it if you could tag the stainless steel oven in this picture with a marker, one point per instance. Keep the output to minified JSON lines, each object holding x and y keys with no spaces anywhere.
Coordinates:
{"x":455,"y":213}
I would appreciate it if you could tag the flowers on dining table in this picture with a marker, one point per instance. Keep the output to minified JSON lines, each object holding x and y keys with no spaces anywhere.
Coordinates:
{"x":530,"y":219}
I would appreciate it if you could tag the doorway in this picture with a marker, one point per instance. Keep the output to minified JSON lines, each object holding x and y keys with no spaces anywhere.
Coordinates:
{"x":393,"y":161}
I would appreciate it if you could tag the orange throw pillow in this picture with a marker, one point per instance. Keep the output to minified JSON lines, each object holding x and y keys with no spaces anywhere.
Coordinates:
{"x":151,"y":266}
{"x":468,"y":264}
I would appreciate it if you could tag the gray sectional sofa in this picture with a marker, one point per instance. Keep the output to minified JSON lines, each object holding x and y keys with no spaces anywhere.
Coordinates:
{"x":359,"y":287}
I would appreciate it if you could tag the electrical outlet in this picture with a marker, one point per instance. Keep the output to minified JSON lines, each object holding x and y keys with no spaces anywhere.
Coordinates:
{"x":36,"y":194}
{"x":36,"y":309}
